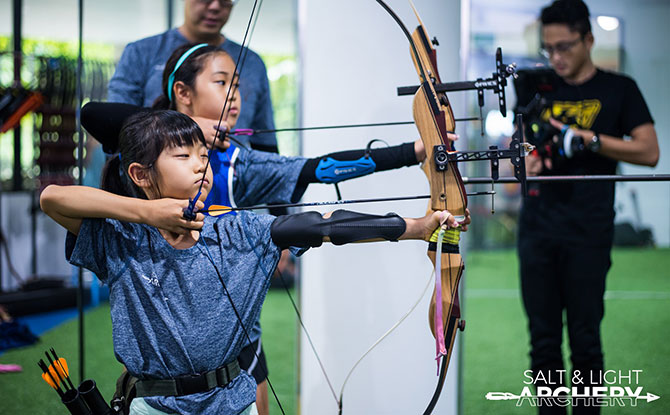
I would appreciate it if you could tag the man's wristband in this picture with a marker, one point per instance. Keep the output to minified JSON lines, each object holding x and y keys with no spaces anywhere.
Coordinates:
{"x":594,"y":144}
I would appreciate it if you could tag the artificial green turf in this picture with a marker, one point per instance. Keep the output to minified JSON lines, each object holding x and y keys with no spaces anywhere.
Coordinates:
{"x":634,"y":331}
{"x":26,"y":392}
{"x":279,"y":324}
{"x":635,"y":336}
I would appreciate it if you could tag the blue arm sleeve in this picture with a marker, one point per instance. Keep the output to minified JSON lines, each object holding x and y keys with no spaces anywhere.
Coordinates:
{"x":262,"y":177}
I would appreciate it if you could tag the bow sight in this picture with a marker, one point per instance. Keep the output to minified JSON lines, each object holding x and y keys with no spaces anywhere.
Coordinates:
{"x":517,"y":150}
{"x":497,"y":83}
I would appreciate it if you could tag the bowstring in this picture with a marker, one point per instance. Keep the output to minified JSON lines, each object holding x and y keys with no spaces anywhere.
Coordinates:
{"x":244,"y":53}
{"x":309,"y":338}
{"x":384,"y":336}
{"x":217,"y":134}
{"x":239,"y":318}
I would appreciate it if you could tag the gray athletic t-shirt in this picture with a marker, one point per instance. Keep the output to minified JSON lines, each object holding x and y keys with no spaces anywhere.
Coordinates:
{"x":170,"y":315}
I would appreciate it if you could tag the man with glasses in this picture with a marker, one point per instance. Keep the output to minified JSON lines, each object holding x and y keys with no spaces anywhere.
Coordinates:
{"x":566,"y":229}
{"x":138,"y":79}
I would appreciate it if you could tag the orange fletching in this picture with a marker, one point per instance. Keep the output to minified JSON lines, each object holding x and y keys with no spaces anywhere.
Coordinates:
{"x":50,"y":381}
{"x":61,"y":367}
{"x":218,"y":210}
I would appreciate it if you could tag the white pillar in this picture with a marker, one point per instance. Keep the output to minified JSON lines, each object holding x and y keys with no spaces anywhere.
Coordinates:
{"x":353,"y":57}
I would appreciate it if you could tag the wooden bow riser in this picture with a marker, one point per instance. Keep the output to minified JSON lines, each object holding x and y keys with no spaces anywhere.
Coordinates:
{"x":432,"y":132}
{"x":447,"y":193}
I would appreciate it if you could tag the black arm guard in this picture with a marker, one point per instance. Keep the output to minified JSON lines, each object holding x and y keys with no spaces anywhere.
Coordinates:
{"x":305,"y":230}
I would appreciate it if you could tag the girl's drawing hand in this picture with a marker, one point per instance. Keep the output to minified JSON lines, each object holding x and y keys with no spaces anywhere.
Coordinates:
{"x":208,"y":127}
{"x":168,"y":214}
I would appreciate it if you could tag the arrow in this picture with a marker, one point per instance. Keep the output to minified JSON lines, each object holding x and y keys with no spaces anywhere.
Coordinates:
{"x":649,"y":398}
{"x":249,"y":131}
{"x":501,"y":396}
{"x":51,"y":378}
{"x":216,"y":210}
{"x":506,"y":396}
{"x":61,"y":367}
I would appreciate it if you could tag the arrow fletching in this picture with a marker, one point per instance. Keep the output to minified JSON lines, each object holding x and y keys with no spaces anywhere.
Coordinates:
{"x":218,"y":210}
{"x":50,"y":380}
{"x":60,"y":365}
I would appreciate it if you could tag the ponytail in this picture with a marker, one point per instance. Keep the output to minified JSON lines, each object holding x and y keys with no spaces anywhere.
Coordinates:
{"x":162,"y":103}
{"x":112,"y":182}
{"x":115,"y":179}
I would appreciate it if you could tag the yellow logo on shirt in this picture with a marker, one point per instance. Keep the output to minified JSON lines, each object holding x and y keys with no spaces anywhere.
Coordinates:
{"x":579,"y":114}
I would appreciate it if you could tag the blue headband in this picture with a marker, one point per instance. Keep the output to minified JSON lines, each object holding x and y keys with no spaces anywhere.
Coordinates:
{"x":179,"y":62}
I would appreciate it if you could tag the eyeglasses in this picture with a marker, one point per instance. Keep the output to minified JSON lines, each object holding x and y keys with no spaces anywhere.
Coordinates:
{"x":222,"y":3}
{"x":560,"y":47}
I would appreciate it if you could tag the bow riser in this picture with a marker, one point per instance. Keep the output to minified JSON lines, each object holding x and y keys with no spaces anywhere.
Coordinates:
{"x":441,"y":101}
{"x":433,"y":134}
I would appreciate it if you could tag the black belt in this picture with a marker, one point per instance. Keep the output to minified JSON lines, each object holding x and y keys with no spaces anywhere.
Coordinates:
{"x":189,"y":384}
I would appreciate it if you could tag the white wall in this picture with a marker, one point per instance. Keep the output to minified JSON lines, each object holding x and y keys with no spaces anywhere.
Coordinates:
{"x":353,"y":57}
{"x":647,"y":60}
{"x":50,"y":242}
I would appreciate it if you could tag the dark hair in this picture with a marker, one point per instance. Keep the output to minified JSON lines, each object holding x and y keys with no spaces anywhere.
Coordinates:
{"x":143,"y":138}
{"x":186,"y":73}
{"x":572,"y":13}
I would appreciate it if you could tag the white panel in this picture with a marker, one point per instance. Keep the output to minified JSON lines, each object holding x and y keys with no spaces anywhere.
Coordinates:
{"x":15,"y":222}
{"x":353,"y":56}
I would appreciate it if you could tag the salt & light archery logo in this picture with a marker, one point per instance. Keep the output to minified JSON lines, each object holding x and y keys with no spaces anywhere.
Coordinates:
{"x":601,"y":388}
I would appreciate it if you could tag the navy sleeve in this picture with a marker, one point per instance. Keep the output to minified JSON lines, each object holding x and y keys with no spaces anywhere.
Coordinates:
{"x":263,"y":116}
{"x":262,"y":177}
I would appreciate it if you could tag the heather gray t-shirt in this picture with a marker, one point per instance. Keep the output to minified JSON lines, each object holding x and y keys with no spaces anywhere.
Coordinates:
{"x":170,"y":315}
{"x":257,"y":178}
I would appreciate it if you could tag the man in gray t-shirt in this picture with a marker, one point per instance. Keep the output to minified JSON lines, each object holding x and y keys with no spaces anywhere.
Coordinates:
{"x":139,"y":73}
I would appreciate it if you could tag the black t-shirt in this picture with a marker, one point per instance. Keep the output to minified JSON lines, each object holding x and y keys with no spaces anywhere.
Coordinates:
{"x":610,"y":104}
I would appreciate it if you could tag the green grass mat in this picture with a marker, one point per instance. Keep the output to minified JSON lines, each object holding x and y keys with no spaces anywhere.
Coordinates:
{"x":635,"y":329}
{"x":26,"y":392}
